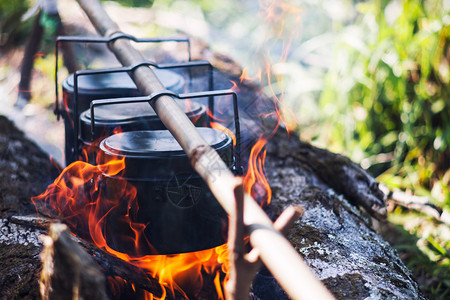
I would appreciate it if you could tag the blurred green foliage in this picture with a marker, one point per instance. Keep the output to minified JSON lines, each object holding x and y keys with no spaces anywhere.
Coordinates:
{"x":386,"y":104}
{"x":424,"y":246}
{"x":11,"y":27}
{"x":388,"y":93}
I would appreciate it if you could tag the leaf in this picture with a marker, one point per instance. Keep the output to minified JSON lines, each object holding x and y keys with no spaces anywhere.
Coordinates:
{"x":437,"y":247}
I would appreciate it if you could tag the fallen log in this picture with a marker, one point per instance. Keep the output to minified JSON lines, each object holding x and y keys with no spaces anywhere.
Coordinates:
{"x":25,"y":170}
{"x":335,"y":238}
{"x":67,"y":270}
{"x":345,"y":177}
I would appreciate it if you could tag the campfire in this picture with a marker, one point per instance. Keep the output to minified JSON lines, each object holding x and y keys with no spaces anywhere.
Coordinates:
{"x":166,"y":192}
{"x":153,"y":176}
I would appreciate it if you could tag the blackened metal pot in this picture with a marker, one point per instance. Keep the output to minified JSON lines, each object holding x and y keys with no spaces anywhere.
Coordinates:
{"x":181,"y":212}
{"x":113,"y":118}
{"x":101,"y":86}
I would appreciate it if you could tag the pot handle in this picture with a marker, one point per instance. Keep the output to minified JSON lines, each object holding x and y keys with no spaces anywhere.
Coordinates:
{"x":111,"y":38}
{"x":155,"y":95}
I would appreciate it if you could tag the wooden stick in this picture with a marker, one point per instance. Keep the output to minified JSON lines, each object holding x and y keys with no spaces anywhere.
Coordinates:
{"x":244,"y":267}
{"x":418,"y":203}
{"x":288,"y":218}
{"x":241,"y":271}
{"x":283,"y":223}
{"x":276,"y":252}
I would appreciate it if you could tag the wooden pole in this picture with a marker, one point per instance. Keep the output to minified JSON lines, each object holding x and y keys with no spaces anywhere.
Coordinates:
{"x":275,"y":251}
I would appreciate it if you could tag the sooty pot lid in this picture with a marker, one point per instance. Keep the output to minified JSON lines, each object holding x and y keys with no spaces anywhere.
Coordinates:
{"x":156,"y":155}
{"x":116,"y":113}
{"x":157,"y":143}
{"x":97,"y":82}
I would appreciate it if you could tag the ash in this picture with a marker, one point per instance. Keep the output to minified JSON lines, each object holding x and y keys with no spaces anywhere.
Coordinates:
{"x":11,"y":233}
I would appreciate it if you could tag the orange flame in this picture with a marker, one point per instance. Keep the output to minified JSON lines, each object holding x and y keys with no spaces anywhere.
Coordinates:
{"x":188,"y":103}
{"x":255,"y":183}
{"x":222,"y":128}
{"x":279,"y":106}
{"x":246,"y":77}
{"x":55,"y":164}
{"x":39,"y":54}
{"x":77,"y":198}
{"x":214,"y":117}
{"x":283,"y":24}
{"x":235,"y":86}
{"x":24,"y":91}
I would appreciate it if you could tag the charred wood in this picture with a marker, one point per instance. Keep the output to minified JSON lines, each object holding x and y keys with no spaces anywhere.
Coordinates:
{"x":19,"y":261}
{"x":25,"y":170}
{"x":68,"y":272}
{"x":110,"y":267}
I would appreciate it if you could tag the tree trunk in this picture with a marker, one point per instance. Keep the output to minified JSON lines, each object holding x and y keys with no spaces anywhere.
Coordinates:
{"x":336,"y":238}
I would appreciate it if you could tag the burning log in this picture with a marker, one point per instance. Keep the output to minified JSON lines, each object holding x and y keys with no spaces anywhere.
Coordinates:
{"x":67,"y":269}
{"x":64,"y":254}
{"x":26,"y":171}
